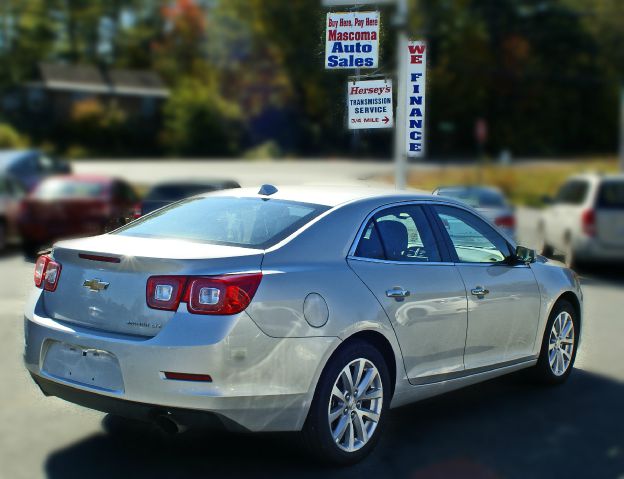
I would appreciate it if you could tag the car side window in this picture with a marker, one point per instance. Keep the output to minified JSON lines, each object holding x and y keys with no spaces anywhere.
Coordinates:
{"x":572,"y":193}
{"x":473,"y":239}
{"x":400,"y":233}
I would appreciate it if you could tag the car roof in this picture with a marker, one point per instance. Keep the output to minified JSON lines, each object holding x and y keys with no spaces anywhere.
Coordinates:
{"x":10,"y":157}
{"x":194,"y":182}
{"x":89,"y":178}
{"x":488,"y":189}
{"x":332,"y":195}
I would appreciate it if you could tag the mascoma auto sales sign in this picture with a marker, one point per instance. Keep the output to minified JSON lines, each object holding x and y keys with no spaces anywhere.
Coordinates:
{"x":352,"y":40}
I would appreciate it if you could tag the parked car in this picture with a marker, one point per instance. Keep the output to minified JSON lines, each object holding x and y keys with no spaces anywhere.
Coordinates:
{"x":488,"y":201}
{"x":29,"y":167}
{"x":11,"y":194}
{"x":585,"y":220}
{"x":72,"y":206}
{"x":295,"y":309}
{"x":164,"y":194}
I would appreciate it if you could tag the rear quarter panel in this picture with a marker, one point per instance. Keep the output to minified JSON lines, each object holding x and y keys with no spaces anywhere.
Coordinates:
{"x":315,"y":262}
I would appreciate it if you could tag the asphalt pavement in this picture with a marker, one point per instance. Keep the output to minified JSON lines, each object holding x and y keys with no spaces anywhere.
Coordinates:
{"x":505,"y":428}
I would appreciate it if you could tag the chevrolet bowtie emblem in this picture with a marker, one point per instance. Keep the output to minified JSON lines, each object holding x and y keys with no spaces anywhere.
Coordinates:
{"x":95,"y":285}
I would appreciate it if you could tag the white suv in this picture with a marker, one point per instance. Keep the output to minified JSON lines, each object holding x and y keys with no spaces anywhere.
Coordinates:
{"x":585,"y":221}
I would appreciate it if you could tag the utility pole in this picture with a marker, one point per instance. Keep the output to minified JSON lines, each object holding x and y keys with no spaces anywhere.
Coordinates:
{"x":622,"y":128}
{"x":401,"y":21}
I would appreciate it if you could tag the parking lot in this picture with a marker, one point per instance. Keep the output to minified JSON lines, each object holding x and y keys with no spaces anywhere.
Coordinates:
{"x":505,"y":428}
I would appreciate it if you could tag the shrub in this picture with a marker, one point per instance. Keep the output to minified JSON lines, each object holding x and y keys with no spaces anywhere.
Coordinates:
{"x":200,"y":122}
{"x":11,"y":138}
{"x":269,"y":150}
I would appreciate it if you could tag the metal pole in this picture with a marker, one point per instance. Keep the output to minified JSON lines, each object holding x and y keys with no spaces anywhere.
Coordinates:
{"x":622,"y":128}
{"x":400,"y":127}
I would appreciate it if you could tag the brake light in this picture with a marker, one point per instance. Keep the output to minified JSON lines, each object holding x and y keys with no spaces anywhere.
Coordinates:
{"x":47,"y":273}
{"x":214,"y":295}
{"x":222,"y":294}
{"x":40,"y":267}
{"x":506,"y":221}
{"x":165,"y":292}
{"x":588,"y":222}
{"x":137,"y":211}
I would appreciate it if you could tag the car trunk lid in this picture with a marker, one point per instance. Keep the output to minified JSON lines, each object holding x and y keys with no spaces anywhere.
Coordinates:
{"x":103,"y":279}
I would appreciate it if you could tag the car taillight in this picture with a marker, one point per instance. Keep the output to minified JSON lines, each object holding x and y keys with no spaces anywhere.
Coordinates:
{"x":137,"y":211}
{"x":222,"y":294}
{"x":506,"y":221}
{"x":588,"y":222}
{"x":47,"y":273}
{"x":165,"y":292}
{"x":216,"y":295}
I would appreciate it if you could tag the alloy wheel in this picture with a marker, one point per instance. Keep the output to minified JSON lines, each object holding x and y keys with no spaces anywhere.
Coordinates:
{"x":561,"y":344}
{"x":355,"y":405}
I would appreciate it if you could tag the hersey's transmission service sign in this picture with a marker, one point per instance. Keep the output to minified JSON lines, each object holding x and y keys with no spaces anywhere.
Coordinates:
{"x":352,"y":40}
{"x":370,"y":104}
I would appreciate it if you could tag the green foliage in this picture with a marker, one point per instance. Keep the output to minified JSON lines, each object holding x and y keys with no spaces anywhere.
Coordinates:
{"x":545,"y":74}
{"x":269,"y":150}
{"x":11,"y":138}
{"x":200,"y":122}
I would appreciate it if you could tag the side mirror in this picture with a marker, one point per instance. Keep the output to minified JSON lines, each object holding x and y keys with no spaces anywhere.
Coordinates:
{"x":548,"y":200}
{"x":525,"y":255}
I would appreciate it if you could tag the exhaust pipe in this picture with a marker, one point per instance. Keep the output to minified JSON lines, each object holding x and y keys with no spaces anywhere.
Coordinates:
{"x":167,"y":424}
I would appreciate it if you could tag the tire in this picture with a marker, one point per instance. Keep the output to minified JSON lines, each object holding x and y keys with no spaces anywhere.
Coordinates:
{"x":350,"y":415}
{"x":546,"y":249}
{"x":549,"y":374}
{"x":29,"y":249}
{"x":3,"y":235}
{"x":570,"y":256}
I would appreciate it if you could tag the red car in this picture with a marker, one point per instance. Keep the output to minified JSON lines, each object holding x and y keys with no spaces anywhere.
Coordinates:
{"x":73,"y":206}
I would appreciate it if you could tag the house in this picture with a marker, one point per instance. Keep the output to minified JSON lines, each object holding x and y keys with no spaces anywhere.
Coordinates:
{"x":57,"y":87}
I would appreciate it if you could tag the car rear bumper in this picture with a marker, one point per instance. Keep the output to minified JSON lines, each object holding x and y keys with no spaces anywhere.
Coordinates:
{"x":258,"y":383}
{"x":134,"y":410}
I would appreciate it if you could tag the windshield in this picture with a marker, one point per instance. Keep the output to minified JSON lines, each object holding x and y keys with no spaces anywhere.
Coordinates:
{"x":55,"y":189}
{"x":476,"y":198}
{"x":246,"y":222}
{"x":611,"y":195}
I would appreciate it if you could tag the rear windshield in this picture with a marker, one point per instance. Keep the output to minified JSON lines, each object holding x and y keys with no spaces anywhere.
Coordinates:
{"x":245,"y":222}
{"x":476,"y":198}
{"x":69,"y":189}
{"x":611,"y":195}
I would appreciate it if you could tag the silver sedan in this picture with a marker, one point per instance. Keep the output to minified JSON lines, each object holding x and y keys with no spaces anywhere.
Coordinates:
{"x":295,"y":309}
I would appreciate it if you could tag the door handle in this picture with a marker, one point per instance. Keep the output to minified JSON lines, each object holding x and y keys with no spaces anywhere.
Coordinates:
{"x":480,"y":291}
{"x":397,"y":293}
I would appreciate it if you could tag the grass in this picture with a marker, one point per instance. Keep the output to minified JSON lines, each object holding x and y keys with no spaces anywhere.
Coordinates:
{"x":524,"y":183}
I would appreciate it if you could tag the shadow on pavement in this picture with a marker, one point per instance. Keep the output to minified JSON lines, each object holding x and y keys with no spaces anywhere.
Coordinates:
{"x":602,"y":275}
{"x":504,"y":428}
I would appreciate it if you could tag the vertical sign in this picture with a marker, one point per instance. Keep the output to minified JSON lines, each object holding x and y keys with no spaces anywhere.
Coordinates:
{"x":416,"y":83}
{"x":370,"y":104}
{"x":352,"y":40}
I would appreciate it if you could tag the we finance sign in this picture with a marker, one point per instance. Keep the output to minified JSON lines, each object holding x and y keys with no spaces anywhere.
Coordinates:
{"x":416,"y":89}
{"x":352,"y":40}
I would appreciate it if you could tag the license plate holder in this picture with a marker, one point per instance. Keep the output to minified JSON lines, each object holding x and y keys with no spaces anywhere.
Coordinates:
{"x":90,"y":367}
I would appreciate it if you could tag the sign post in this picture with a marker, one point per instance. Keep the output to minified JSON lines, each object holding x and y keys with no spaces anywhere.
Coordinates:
{"x":370,"y":104}
{"x":404,"y":70}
